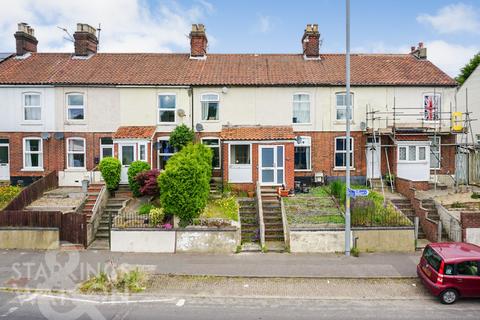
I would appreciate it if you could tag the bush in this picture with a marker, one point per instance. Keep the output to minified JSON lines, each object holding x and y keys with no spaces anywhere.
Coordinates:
{"x":338,"y":189}
{"x":145,"y":208}
{"x":110,"y":169}
{"x":7,"y":194}
{"x":147,"y":180}
{"x":185,"y":183}
{"x":156,"y":216}
{"x":135,"y":168}
{"x":181,"y":136}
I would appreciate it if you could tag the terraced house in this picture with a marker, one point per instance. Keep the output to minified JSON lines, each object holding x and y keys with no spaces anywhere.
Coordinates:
{"x":270,"y":118}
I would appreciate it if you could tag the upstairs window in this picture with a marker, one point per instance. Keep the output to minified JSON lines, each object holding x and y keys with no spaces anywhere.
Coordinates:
{"x":301,"y":108}
{"x":75,"y":106}
{"x":431,"y":107}
{"x":341,"y":152}
{"x":32,"y":109}
{"x":210,"y":106}
{"x":33,"y":154}
{"x":167,"y":103}
{"x":341,"y":106}
{"x":76,"y":153}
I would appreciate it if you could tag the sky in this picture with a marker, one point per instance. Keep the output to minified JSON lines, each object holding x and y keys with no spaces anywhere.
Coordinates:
{"x":449,"y":29}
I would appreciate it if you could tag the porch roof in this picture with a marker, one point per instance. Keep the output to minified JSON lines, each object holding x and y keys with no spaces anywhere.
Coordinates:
{"x":252,"y":133}
{"x":411,"y":138}
{"x":135,"y":132}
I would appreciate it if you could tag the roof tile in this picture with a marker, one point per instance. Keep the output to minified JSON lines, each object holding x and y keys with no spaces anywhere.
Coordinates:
{"x":253,"y":133}
{"x":135,"y":132}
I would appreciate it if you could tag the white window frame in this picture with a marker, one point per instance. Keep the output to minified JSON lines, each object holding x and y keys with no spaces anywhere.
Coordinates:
{"x":106,"y":146}
{"x":344,"y":151}
{"x":83,"y":107}
{"x":407,"y":154}
{"x":344,"y":107}
{"x":218,"y":147}
{"x":439,"y":152}
{"x":24,"y":94}
{"x":230,"y":154}
{"x":306,"y":142}
{"x":202,"y":100}
{"x":309,"y":107}
{"x":140,"y":145}
{"x":159,"y":109}
{"x":40,"y":153}
{"x":439,"y":109}
{"x":164,"y":138}
{"x":77,"y":152}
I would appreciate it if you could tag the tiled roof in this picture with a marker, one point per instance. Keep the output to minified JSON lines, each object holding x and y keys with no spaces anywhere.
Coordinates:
{"x":251,"y":133}
{"x":135,"y":132}
{"x":411,"y":138}
{"x":221,"y":69}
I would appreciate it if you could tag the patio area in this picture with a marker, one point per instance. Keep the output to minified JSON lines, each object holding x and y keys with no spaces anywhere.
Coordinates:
{"x":64,"y":199}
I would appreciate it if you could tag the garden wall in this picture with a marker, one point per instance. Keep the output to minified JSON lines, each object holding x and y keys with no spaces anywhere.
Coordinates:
{"x":29,"y":238}
{"x":317,"y":241}
{"x":470,"y":221}
{"x":171,"y":241}
{"x":399,"y":239}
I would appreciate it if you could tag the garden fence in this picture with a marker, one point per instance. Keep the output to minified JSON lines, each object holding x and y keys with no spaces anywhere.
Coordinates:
{"x":33,"y":191}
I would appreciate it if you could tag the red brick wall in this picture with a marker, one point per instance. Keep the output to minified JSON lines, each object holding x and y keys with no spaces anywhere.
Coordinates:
{"x":323,"y":153}
{"x":469,"y":220}
{"x":447,"y":151}
{"x":54,"y":151}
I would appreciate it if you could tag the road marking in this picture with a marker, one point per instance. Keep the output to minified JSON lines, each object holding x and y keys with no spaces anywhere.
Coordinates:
{"x":105,"y":302}
{"x":180,"y":303}
{"x":10,"y":311}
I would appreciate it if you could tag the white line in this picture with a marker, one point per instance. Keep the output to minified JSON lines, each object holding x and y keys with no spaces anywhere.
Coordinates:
{"x":180,"y":303}
{"x":136,"y":301}
{"x":106,"y":302}
{"x":10,"y":311}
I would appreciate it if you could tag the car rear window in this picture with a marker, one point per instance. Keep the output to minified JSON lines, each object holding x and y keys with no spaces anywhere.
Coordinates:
{"x":432,"y":258}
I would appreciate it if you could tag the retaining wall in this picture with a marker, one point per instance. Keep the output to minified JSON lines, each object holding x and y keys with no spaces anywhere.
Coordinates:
{"x":385,"y":239}
{"x":29,"y":238}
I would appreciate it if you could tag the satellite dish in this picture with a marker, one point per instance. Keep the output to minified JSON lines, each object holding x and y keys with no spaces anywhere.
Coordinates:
{"x":199,"y":127}
{"x":181,"y":113}
{"x":58,"y":135}
{"x":45,"y":135}
{"x":299,"y":139}
{"x":224,"y":89}
{"x":363,"y":125}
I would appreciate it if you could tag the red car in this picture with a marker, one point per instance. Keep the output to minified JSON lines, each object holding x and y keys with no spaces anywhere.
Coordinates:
{"x":451,"y":270}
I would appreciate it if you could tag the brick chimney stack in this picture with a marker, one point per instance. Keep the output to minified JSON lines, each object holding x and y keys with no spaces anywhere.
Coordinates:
{"x":86,"y":41}
{"x":25,"y":39}
{"x":419,"y":52}
{"x":198,"y":41}
{"x":311,"y":42}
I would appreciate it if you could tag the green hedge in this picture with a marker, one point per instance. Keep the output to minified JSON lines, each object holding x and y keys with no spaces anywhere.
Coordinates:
{"x":181,"y":136}
{"x":185,"y":183}
{"x":135,"y":168}
{"x":110,"y":169}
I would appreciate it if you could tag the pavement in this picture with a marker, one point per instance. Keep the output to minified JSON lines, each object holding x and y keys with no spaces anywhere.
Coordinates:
{"x":64,"y":270}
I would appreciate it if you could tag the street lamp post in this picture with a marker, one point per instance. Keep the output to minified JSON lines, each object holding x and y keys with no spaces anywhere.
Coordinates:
{"x":347,"y":138}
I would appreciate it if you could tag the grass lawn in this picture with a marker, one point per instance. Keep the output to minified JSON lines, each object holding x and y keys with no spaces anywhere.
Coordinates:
{"x":314,"y":209}
{"x":223,"y":208}
{"x":7,"y":193}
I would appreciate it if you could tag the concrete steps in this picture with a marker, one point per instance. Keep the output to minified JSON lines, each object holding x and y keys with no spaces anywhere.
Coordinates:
{"x":406,"y":208}
{"x":272,"y":218}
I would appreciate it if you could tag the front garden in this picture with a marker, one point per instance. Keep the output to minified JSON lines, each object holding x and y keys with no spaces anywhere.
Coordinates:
{"x":7,"y":194}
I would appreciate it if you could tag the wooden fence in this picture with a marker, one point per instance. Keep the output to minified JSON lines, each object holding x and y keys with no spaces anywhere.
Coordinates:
{"x":33,"y":191}
{"x":72,"y":226}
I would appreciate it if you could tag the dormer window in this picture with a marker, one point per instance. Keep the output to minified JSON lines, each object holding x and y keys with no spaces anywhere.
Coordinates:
{"x":75,"y":106}
{"x":32,"y":108}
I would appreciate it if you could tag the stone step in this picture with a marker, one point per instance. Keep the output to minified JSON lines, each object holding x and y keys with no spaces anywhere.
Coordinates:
{"x":102,"y":235}
{"x":274,"y":237}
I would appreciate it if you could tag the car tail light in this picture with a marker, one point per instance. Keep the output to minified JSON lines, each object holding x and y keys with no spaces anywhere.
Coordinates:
{"x":440,"y":273}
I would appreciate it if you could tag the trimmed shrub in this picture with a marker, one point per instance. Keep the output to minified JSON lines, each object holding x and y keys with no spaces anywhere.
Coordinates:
{"x":145,"y":208}
{"x":110,"y":169}
{"x":185,"y":183}
{"x":181,"y":136}
{"x":147,"y":180}
{"x":135,"y":168}
{"x":156,"y":216}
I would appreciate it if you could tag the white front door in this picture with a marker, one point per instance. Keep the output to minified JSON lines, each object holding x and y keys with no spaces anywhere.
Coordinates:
{"x":127,"y":153}
{"x":271,"y":165}
{"x":373,"y":160}
{"x":4,"y":162}
{"x":240,"y":163}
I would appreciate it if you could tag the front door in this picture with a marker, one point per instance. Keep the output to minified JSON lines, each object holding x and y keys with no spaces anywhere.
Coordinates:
{"x":4,"y":162}
{"x":240,"y":164}
{"x":373,"y":160}
{"x":271,"y":168}
{"x":127,"y":154}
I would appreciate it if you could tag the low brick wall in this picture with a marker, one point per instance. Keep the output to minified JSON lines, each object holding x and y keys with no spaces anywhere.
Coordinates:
{"x":470,"y":222}
{"x":408,"y":187}
{"x":29,"y":238}
{"x":400,"y":239}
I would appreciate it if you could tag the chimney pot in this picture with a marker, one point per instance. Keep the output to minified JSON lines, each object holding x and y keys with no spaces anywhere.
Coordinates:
{"x":419,"y":52}
{"x":311,"y":42}
{"x":25,"y":39}
{"x":198,"y":41}
{"x":86,"y":41}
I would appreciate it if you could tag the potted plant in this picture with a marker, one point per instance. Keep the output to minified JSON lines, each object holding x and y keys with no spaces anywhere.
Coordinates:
{"x":283,"y":192}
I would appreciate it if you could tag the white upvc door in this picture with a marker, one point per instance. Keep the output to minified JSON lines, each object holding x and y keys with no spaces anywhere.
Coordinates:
{"x":4,"y":162}
{"x":239,"y":163}
{"x":127,"y":153}
{"x":271,"y":165}
{"x":373,"y":160}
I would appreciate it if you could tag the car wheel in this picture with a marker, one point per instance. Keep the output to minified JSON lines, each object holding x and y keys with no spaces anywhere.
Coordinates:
{"x":449,"y":296}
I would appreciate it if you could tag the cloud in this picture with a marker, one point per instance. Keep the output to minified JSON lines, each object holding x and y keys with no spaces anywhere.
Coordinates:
{"x":450,"y":57}
{"x":264,"y":24}
{"x":453,"y":18}
{"x":127,"y":25}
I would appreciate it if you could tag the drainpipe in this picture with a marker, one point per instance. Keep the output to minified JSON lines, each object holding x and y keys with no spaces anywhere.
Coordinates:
{"x":191,"y":109}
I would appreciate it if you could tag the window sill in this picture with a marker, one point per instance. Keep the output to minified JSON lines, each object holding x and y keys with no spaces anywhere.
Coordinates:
{"x":303,"y":170}
{"x":32,"y":123}
{"x":342,"y":122}
{"x":343,"y":169}
{"x":75,"y":170}
{"x":166,"y":123}
{"x":73,"y":122}
{"x":301,"y":124}
{"x":210,"y":121}
{"x":32,"y":170}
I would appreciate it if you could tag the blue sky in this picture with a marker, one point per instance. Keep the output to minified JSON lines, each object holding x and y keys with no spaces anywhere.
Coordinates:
{"x":449,"y":29}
